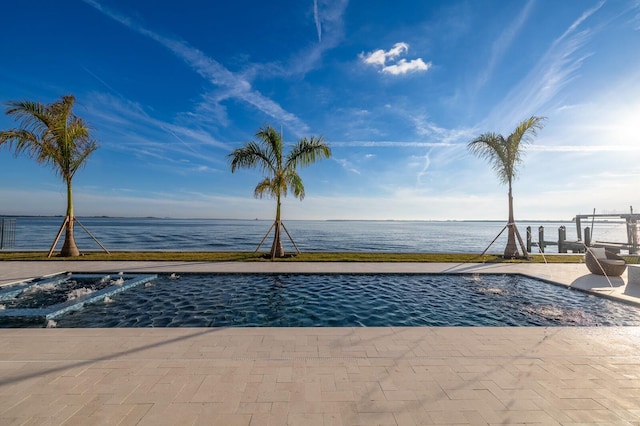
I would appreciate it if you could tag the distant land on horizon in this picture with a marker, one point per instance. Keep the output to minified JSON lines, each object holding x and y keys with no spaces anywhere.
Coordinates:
{"x":572,"y":220}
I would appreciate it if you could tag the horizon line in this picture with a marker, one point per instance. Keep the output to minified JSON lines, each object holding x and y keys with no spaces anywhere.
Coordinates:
{"x":45,"y":216}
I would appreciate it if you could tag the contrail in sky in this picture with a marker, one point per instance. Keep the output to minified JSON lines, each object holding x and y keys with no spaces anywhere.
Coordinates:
{"x":317,"y":19}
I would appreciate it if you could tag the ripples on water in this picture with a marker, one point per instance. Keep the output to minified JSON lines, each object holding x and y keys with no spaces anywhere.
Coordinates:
{"x":328,"y":300}
{"x":39,"y":296}
{"x":245,"y":235}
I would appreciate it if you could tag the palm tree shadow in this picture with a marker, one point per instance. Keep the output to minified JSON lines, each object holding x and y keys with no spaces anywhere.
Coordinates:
{"x":112,"y":356}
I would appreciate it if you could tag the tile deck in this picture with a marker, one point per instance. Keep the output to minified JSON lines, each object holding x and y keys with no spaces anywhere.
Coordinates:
{"x":322,"y":376}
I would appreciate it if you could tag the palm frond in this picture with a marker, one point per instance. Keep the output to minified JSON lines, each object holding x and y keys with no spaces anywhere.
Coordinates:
{"x":83,"y":152}
{"x":249,"y":156}
{"x":522,"y":135}
{"x":21,"y":141}
{"x":307,"y":151}
{"x":492,"y":147}
{"x":32,"y":116}
{"x":294,"y":181}
{"x":264,"y":187}
{"x":273,"y":146}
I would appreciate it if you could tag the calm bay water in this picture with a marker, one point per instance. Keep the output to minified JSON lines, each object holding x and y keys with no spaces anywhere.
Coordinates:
{"x":37,"y":233}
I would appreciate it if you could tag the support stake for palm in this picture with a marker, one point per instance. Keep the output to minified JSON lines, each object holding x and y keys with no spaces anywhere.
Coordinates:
{"x":505,"y":154}
{"x":69,"y":247}
{"x":277,"y":249}
{"x":279,"y":170}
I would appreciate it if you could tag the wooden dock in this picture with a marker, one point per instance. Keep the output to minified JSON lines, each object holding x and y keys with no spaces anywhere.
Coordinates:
{"x":580,"y":245}
{"x":564,"y":245}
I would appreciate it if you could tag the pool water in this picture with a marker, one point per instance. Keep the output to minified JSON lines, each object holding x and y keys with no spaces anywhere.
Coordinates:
{"x":342,"y":300}
{"x":59,"y":290}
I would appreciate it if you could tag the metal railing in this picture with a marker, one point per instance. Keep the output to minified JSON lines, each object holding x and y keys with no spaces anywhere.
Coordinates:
{"x":7,"y":233}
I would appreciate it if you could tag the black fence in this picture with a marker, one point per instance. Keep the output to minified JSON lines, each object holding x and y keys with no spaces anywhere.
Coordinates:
{"x":7,"y":233}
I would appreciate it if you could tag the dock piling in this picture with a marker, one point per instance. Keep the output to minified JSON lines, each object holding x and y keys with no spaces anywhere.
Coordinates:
{"x":541,"y":242}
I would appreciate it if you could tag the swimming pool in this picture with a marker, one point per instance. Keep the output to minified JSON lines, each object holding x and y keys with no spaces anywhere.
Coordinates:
{"x":341,"y":300}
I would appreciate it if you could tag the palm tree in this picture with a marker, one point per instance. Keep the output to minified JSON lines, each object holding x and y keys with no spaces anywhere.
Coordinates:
{"x":52,"y":135}
{"x":505,"y":155}
{"x":279,"y":169}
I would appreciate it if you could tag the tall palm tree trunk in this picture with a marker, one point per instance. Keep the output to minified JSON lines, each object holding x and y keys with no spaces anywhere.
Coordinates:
{"x":69,"y":247}
{"x":277,"y":250}
{"x":511,"y":250}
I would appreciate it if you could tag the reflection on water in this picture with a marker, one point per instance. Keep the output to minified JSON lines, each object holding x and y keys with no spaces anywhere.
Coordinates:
{"x":492,"y":290}
{"x":572,"y":316}
{"x":341,"y":300}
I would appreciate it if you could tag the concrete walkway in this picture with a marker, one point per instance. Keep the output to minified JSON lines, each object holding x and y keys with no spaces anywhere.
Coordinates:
{"x":321,"y":376}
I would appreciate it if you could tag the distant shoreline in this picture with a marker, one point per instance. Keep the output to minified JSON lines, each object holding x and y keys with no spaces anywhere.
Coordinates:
{"x":13,"y":216}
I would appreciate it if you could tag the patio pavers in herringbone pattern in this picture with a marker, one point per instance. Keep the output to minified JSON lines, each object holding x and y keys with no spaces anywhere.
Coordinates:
{"x":320,"y":376}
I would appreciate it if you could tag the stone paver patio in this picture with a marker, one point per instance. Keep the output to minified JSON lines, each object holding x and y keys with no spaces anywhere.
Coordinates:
{"x":322,"y":376}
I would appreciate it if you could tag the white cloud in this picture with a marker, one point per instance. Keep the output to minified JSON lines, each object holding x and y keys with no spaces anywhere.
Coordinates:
{"x":403,"y":204}
{"x":426,"y":162}
{"x":391,"y":144}
{"x":403,"y":67}
{"x":425,"y":127}
{"x":583,"y":148}
{"x":234,"y":85}
{"x":379,"y":57}
{"x":347,"y":165}
{"x":127,"y":128}
{"x":396,"y":67}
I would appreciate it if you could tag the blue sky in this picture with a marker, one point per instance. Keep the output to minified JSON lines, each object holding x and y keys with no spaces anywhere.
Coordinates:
{"x":397,"y":89}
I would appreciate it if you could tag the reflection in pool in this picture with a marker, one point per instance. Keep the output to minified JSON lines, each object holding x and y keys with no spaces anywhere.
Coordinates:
{"x":341,"y":300}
